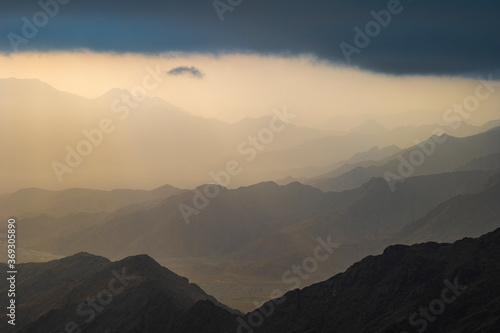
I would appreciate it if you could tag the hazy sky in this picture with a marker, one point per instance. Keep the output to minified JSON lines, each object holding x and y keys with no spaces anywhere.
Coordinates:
{"x":317,"y":58}
{"x":233,"y":87}
{"x":241,"y":60}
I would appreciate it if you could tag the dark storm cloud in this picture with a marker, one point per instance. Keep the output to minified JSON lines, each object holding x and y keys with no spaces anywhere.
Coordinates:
{"x":186,"y":70}
{"x":426,"y":36}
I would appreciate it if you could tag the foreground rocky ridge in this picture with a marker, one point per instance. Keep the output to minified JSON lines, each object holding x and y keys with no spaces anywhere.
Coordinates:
{"x":430,"y":286}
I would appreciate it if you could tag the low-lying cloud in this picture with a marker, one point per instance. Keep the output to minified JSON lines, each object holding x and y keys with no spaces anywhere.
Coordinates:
{"x":183,"y":70}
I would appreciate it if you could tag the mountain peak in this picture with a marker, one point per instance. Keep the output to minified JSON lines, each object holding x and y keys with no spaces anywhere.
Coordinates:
{"x":114,"y":93}
{"x":375,"y":184}
{"x":262,"y":186}
{"x":140,"y":259}
{"x":370,"y":126}
{"x":82,"y":258}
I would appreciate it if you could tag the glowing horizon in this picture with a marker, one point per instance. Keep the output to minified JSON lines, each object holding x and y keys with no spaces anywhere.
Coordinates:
{"x":236,"y":86}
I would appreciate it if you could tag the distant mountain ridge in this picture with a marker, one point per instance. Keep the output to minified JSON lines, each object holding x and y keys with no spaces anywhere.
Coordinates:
{"x":439,"y":155}
{"x":464,"y":215}
{"x":489,"y":162}
{"x":182,"y":142}
{"x":263,"y":229}
{"x":34,"y":201}
{"x":254,"y":216}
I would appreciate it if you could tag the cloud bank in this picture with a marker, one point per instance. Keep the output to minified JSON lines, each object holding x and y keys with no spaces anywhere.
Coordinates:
{"x":424,"y":37}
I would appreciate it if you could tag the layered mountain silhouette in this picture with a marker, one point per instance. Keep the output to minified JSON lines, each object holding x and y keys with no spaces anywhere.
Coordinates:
{"x":187,"y":142}
{"x":256,"y":233}
{"x":430,"y":286}
{"x":362,"y":189}
{"x":489,"y":162}
{"x":207,"y":144}
{"x":34,"y":201}
{"x":135,"y":294}
{"x":432,"y":156}
{"x":255,"y":222}
{"x":427,"y":287}
{"x":365,"y":158}
{"x":464,"y":215}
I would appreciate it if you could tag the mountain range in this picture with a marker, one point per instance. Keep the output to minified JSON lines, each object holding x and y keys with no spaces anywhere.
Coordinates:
{"x":77,"y":155}
{"x":430,"y":286}
{"x":255,"y":216}
{"x":434,"y":155}
{"x":351,"y":192}
{"x":272,"y":226}
{"x":93,"y":294}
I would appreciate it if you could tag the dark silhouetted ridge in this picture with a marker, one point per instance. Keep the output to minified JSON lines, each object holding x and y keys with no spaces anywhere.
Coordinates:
{"x":380,"y":293}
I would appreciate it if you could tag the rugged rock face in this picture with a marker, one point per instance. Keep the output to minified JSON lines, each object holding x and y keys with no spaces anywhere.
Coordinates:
{"x":93,"y":294}
{"x":427,"y":287}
